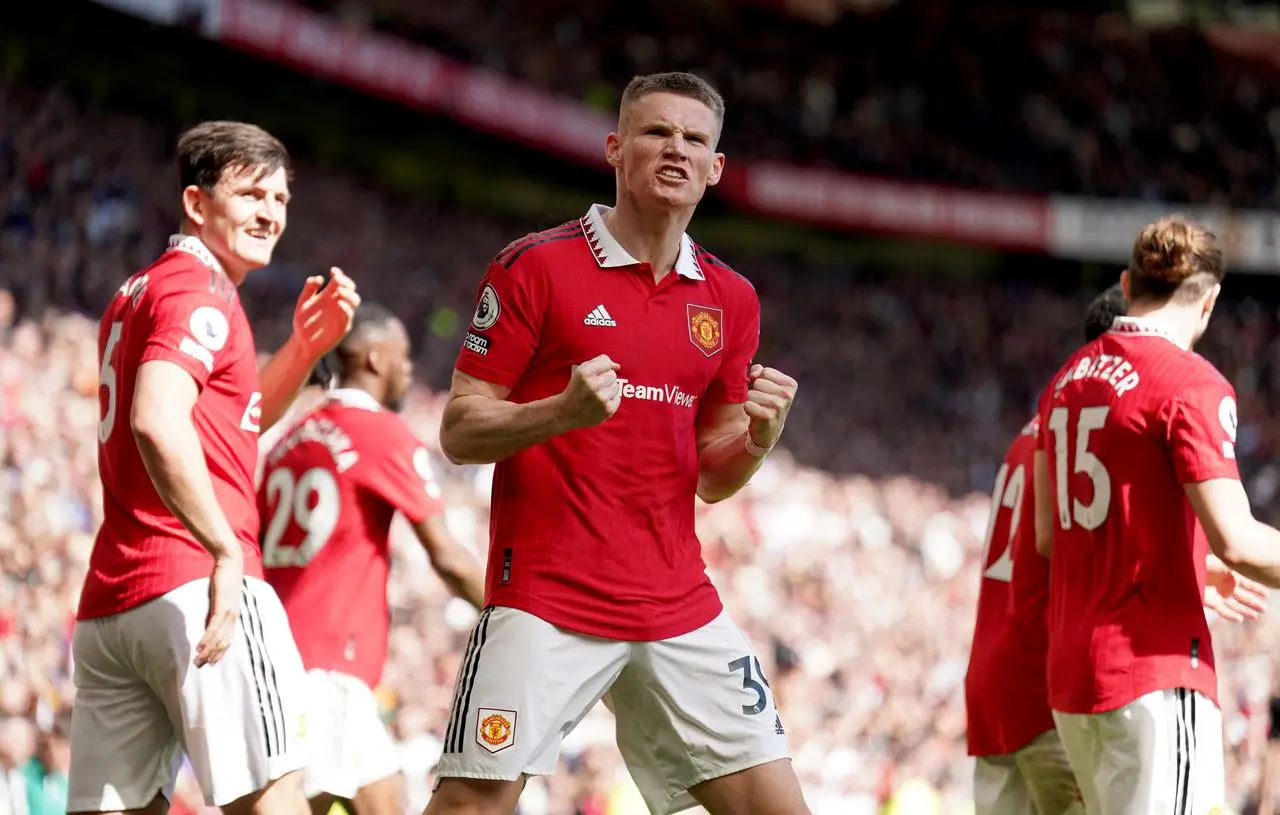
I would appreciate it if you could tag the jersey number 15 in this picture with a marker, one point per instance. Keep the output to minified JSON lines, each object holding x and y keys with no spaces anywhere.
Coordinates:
{"x":306,"y":507}
{"x":1090,"y":516}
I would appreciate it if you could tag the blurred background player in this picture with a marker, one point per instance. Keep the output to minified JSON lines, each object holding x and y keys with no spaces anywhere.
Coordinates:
{"x":330,"y":490}
{"x":1021,"y":766}
{"x":1136,"y":452}
{"x":608,"y":371}
{"x":163,"y":663}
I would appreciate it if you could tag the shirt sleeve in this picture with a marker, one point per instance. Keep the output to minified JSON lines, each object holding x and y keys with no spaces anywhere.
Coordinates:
{"x":402,"y":477}
{"x":190,"y":327}
{"x":730,"y":383}
{"x":507,"y":324}
{"x":1202,"y":433}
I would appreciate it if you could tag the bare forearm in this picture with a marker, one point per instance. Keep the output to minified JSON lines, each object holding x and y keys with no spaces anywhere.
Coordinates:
{"x":1255,"y":553}
{"x":480,"y":430}
{"x":1266,"y":794}
{"x":174,"y":459}
{"x":463,"y":577}
{"x":724,"y":467}
{"x":282,"y":378}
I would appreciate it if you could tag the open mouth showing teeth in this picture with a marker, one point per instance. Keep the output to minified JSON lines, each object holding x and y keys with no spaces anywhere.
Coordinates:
{"x":672,"y":173}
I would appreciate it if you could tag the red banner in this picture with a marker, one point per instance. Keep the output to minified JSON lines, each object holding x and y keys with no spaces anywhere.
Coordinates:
{"x":415,"y":76}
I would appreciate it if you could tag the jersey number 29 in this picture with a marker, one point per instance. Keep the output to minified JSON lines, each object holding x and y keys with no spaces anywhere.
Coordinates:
{"x":311,"y":504}
{"x":1091,"y":515}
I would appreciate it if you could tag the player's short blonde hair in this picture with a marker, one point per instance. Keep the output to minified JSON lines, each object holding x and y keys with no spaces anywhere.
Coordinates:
{"x":1175,"y":257}
{"x":208,"y":149}
{"x":679,"y":83}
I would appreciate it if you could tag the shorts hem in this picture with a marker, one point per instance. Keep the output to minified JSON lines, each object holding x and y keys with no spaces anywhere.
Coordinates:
{"x":711,"y":775}
{"x":442,"y":774}
{"x":98,"y":805}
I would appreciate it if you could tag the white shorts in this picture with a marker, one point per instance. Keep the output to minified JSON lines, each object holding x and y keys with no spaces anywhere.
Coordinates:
{"x":1036,"y":780}
{"x":688,"y":709}
{"x":1161,"y":753}
{"x":348,"y":746}
{"x":141,"y":702}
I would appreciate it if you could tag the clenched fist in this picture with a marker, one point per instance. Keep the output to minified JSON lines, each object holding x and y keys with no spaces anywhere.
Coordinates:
{"x":769,"y":398}
{"x":593,"y":393}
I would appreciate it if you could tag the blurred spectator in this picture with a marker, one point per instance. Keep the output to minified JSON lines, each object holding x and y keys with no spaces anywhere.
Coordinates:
{"x":1003,"y":96}
{"x":17,"y":749}
{"x":46,"y":773}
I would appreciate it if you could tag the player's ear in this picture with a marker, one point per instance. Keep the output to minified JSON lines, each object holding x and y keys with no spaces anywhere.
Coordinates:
{"x":193,"y":205}
{"x":613,"y":149}
{"x":1124,"y":286}
{"x":717,"y":169}
{"x":1211,"y":299}
{"x":377,"y":362}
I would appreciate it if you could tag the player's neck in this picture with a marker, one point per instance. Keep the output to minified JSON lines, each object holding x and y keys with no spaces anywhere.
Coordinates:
{"x":650,"y":237}
{"x":1170,"y":319}
{"x":228,"y":266}
{"x":363,"y":384}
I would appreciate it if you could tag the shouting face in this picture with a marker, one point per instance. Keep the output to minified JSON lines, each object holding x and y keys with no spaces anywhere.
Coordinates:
{"x":664,"y":151}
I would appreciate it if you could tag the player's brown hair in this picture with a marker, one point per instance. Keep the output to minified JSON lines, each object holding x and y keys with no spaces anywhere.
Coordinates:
{"x":679,"y":83}
{"x":209,"y":149}
{"x":1174,"y":257}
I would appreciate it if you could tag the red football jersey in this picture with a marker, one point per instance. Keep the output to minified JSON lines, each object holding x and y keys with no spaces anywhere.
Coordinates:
{"x":1005,"y":695}
{"x":181,"y":309}
{"x":593,"y":530}
{"x":330,"y":489}
{"x":1129,"y":420}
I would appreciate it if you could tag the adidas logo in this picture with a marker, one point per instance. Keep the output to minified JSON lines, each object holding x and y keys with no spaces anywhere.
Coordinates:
{"x":599,"y":316}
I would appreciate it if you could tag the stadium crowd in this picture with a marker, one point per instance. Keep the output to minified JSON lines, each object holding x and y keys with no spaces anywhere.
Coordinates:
{"x":852,"y":558}
{"x":1016,"y":99}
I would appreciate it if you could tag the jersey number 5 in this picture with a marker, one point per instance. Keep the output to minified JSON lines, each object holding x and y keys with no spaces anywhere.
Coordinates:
{"x":1093,"y":514}
{"x":1006,"y":495}
{"x":293,"y":506}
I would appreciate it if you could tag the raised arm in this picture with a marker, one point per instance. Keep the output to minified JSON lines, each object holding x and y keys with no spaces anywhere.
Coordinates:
{"x":480,"y":426}
{"x":321,"y":319}
{"x":733,"y":439}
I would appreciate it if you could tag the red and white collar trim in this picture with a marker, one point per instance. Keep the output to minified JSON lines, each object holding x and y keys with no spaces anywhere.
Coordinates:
{"x":356,"y":398}
{"x":194,"y":246}
{"x":1138,"y":325}
{"x":610,"y":254}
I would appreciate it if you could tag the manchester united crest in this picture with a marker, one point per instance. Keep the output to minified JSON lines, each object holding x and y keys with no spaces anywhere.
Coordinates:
{"x":495,"y":729}
{"x":706,"y":328}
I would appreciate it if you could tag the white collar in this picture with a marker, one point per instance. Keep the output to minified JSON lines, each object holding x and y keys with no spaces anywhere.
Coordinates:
{"x":194,"y":246}
{"x":1146,"y":327}
{"x":610,"y":254}
{"x":356,"y":398}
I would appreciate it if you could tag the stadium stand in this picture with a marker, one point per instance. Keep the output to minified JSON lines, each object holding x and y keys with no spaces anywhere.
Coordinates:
{"x":853,"y":553}
{"x":931,"y":91}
